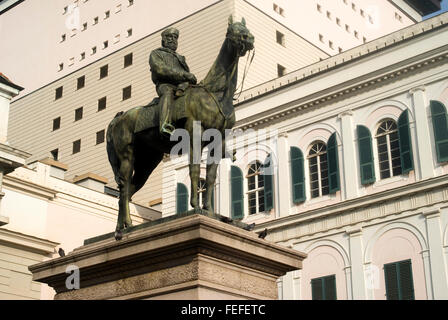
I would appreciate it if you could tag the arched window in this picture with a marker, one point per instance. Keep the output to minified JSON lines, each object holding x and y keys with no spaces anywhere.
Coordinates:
{"x":388,"y":149}
{"x":318,"y":166}
{"x":255,"y":181}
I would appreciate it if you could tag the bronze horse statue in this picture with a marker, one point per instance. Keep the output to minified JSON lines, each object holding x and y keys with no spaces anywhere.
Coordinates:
{"x":134,"y":153}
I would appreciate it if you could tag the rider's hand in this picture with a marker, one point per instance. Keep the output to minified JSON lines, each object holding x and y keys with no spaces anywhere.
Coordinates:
{"x":191,"y":78}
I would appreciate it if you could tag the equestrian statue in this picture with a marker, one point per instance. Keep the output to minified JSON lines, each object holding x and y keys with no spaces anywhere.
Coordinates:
{"x":138,"y":138}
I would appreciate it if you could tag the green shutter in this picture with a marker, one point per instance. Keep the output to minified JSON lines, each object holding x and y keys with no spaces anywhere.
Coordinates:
{"x":268,"y":177}
{"x":399,"y":282}
{"x":405,"y":280}
{"x":330,"y":287}
{"x":181,"y":198}
{"x":324,"y":288}
{"x":365,"y":155}
{"x":333,"y":165}
{"x":297,"y":175}
{"x":440,"y":126}
{"x":317,"y":289}
{"x":404,"y":139}
{"x":237,"y":193}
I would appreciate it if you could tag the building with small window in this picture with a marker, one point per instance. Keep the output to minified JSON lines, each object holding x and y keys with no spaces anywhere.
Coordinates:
{"x":357,"y":151}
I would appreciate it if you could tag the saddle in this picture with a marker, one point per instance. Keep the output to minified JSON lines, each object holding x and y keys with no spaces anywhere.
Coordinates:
{"x":148,"y":116}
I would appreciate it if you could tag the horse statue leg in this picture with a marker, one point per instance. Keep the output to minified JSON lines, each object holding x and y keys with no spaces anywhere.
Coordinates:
{"x":125,"y":172}
{"x":195,"y":162}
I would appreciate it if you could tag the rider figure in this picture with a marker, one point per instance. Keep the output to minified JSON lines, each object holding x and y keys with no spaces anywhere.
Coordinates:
{"x":168,"y":70}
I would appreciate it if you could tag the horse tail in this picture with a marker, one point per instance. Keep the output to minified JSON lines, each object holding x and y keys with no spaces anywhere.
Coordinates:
{"x":110,"y":147}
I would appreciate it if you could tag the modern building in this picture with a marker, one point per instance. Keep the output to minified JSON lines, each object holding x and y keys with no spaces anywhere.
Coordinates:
{"x":357,"y":147}
{"x":68,"y":35}
{"x":66,"y":118}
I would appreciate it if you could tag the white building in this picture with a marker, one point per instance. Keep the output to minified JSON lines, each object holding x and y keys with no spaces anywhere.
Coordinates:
{"x":358,"y":144}
{"x":41,"y":212}
{"x":54,"y":38}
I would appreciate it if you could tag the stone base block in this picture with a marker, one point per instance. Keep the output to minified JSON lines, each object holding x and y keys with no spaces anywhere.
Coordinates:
{"x":193,"y":257}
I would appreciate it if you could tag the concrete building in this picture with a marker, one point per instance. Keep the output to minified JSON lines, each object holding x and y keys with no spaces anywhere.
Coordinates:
{"x":357,"y":147}
{"x":68,"y":35}
{"x":68,"y":116}
{"x":41,"y":212}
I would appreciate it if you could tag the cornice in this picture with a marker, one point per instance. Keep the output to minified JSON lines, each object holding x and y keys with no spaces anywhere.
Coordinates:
{"x":348,"y":91}
{"x":28,"y":187}
{"x":41,"y":246}
{"x":362,"y":203}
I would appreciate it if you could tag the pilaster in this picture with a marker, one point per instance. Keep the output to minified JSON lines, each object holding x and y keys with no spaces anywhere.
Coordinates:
{"x":284,"y":179}
{"x":357,"y":268}
{"x":348,"y":156}
{"x":437,"y":261}
{"x":424,"y":152}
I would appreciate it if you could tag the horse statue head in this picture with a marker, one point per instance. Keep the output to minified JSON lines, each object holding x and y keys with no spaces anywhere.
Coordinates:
{"x":239,"y":36}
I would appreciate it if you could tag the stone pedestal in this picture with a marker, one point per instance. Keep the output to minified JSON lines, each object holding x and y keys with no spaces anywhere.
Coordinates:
{"x":192,"y":257}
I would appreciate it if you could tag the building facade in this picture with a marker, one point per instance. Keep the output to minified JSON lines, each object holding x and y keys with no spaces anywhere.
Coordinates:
{"x":69,"y":35}
{"x":69,"y":115}
{"x":347,"y":163}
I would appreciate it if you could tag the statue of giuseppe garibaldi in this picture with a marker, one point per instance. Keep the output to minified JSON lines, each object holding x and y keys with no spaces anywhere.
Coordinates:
{"x":170,"y":73}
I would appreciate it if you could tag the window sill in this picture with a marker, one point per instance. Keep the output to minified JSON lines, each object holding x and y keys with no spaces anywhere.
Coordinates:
{"x":387,"y":181}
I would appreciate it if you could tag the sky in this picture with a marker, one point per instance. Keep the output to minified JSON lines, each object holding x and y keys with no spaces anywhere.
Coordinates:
{"x":444,"y":4}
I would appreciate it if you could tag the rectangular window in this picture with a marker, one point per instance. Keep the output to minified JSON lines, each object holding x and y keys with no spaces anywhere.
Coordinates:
{"x":82,"y":56}
{"x":102,"y":103}
{"x":63,"y":37}
{"x":329,"y":15}
{"x":324,"y":288}
{"x":128,"y":60}
{"x":104,"y":71}
{"x":347,"y":28}
{"x":280,"y":38}
{"x":319,"y":8}
{"x":330,"y":44}
{"x":56,"y":123}
{"x":58,"y":93}
{"x":100,"y":137}
{"x":281,"y":70}
{"x":131,"y":2}
{"x":106,"y":14}
{"x":93,"y":50}
{"x":84,"y":26}
{"x":127,"y":92}
{"x":321,"y":38}
{"x":95,"y":20}
{"x":105,"y":44}
{"x":76,"y":146}
{"x":356,"y":34}
{"x":54,"y":154}
{"x":354,"y":7}
{"x":338,"y":21}
{"x":81,"y":82}
{"x":78,"y":114}
{"x":61,"y":66}
{"x":399,"y":282}
{"x":129,"y":32}
{"x":362,"y":13}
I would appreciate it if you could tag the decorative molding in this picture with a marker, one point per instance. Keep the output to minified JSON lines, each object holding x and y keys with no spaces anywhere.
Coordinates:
{"x":419,"y":88}
{"x":347,"y":113}
{"x":354,"y":231}
{"x":381,"y":205}
{"x":346,"y":92}
{"x":29,"y":187}
{"x":41,"y":246}
{"x":431,"y":213}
